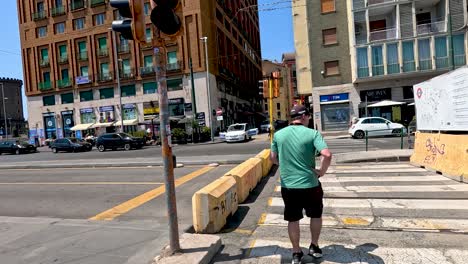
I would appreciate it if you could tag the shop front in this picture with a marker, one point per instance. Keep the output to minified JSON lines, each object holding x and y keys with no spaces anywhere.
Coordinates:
{"x":369,"y":97}
{"x":67,"y":123}
{"x":335,"y":111}
{"x":106,"y":120}
{"x":87,"y":120}
{"x":50,"y":125}
{"x":151,"y":114}
{"x":130,"y":117}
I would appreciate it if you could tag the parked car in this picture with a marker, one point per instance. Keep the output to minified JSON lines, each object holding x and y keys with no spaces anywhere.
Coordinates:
{"x":118,"y":140}
{"x":265,"y":126}
{"x":375,"y":126}
{"x":240,"y":132}
{"x":16,"y":147}
{"x":70,"y":144}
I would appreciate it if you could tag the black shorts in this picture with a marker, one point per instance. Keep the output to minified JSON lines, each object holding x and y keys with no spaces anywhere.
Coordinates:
{"x":296,"y":200}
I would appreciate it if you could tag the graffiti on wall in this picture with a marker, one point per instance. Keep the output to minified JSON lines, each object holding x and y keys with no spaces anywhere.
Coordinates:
{"x":434,"y":151}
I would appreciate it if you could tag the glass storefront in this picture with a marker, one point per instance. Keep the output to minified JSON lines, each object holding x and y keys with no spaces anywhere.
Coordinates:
{"x":50,"y":126}
{"x":176,"y":107}
{"x":335,"y":111}
{"x":106,"y":114}
{"x":87,"y":116}
{"x":67,"y":119}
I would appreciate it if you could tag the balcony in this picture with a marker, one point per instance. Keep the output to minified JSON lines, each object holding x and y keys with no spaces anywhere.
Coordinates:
{"x":63,"y":59}
{"x":44,"y":63}
{"x":145,"y":71}
{"x":409,"y":66}
{"x":459,"y":60}
{"x":64,"y":83}
{"x":442,"y":62}
{"x":58,"y":11}
{"x":76,"y":5}
{"x":39,"y":15}
{"x":97,"y":2}
{"x":45,"y":86}
{"x":393,"y":68}
{"x":103,"y":52}
{"x":377,"y":70}
{"x":105,"y":77}
{"x":425,"y":65}
{"x":381,"y":35}
{"x":173,"y":66}
{"x":83,"y":56}
{"x":431,"y":28}
{"x":363,"y":72}
{"x":376,"y":2}
{"x":124,"y":48}
{"x":125,"y":75}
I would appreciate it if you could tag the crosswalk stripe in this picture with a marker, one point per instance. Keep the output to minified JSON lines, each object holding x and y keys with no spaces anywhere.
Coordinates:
{"x":383,"y":179}
{"x":358,"y":170}
{"x":379,"y":166}
{"x":456,"y":225}
{"x":390,"y":189}
{"x":418,"y":204}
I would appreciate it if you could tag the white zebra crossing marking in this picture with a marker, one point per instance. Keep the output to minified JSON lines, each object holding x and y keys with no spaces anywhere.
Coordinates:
{"x":384,"y":179}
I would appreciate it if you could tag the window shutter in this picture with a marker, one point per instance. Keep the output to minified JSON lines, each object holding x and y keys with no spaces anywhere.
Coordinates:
{"x":332,"y":68}
{"x":328,"y":6}
{"x":329,"y":36}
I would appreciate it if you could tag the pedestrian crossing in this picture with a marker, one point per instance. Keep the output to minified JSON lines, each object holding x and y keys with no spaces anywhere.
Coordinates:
{"x":344,"y":145}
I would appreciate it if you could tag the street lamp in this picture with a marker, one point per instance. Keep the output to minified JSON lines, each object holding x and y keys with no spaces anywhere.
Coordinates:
{"x":4,"y":112}
{"x":205,"y":40}
{"x":116,"y":65}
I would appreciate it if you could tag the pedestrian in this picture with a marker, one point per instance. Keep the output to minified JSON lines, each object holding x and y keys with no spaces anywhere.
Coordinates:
{"x":294,"y":149}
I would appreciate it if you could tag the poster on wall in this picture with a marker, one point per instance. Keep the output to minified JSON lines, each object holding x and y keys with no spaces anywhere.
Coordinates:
{"x":59,"y":133}
{"x":78,"y":134}
{"x":32,"y":136}
{"x":442,"y":102}
{"x":129,"y":112}
{"x":106,"y":114}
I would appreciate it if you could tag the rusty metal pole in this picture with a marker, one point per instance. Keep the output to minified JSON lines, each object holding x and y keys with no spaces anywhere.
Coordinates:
{"x":165,"y":136}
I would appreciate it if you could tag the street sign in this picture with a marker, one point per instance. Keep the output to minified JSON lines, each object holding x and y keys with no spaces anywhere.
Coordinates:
{"x":219,"y":118}
{"x":201,"y":118}
{"x":219,"y":112}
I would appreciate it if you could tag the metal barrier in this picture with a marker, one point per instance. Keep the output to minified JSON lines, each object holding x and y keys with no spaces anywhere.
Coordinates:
{"x":401,"y":134}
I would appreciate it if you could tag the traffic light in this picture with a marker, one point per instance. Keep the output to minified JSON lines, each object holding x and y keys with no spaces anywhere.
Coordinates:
{"x":266,"y":88}
{"x":132,"y":26}
{"x":164,"y":17}
{"x":260,"y":87}
{"x":276,"y":86}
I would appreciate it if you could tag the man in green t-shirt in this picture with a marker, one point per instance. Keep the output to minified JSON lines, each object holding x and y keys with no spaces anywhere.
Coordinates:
{"x":294,"y":149}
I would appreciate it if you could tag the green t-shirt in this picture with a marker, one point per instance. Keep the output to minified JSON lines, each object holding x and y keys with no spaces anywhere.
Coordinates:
{"x":296,"y":146}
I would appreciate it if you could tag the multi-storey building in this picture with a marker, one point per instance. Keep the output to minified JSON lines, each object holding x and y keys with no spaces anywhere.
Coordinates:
{"x":70,"y":77}
{"x":11,"y":107}
{"x":392,"y":45}
{"x":282,"y":103}
{"x":289,"y":61}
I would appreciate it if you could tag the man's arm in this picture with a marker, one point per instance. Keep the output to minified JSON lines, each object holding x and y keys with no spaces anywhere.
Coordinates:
{"x":326,"y":158}
{"x":274,"y":158}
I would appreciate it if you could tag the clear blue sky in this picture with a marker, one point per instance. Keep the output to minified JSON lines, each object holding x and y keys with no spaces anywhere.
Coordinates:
{"x":275,"y":31}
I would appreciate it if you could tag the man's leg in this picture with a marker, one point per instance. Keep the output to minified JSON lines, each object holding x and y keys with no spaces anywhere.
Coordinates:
{"x":315,"y":229}
{"x":294,"y":235}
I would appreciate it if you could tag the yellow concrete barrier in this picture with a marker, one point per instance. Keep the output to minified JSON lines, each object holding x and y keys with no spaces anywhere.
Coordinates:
{"x":213,"y":204}
{"x":258,"y":169}
{"x":246,"y":178}
{"x":442,"y":152}
{"x":266,"y":162}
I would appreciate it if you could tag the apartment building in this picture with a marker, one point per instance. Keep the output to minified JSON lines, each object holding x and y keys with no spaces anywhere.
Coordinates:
{"x":392,"y":45}
{"x":11,"y":107}
{"x":282,"y":103}
{"x":289,"y":61}
{"x":70,"y":75}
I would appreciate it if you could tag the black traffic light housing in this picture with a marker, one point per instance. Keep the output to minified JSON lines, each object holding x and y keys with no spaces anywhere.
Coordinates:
{"x":132,"y":26}
{"x":163,"y":16}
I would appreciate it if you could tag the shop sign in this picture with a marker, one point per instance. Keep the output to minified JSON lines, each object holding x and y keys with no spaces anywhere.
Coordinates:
{"x":376,"y":95}
{"x":82,"y":80}
{"x":150,"y":108}
{"x":128,"y":106}
{"x":334,"y":97}
{"x":188,"y":107}
{"x":106,"y":108}
{"x":201,"y":118}
{"x":176,"y":101}
{"x":86,"y":110}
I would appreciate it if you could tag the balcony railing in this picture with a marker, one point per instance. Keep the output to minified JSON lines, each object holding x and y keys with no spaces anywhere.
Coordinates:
{"x":386,"y":34}
{"x":83,"y":55}
{"x":425,"y":65}
{"x":409,"y":66}
{"x":361,"y":39}
{"x":459,"y":60}
{"x":75,"y":5}
{"x":102,"y":52}
{"x":44,"y":62}
{"x":431,"y":28}
{"x":124,"y":48}
{"x":44,"y":86}
{"x":144,"y":71}
{"x":63,"y":59}
{"x":363,"y":72}
{"x":377,"y":70}
{"x":105,"y":77}
{"x":173,"y":66}
{"x":58,"y":11}
{"x":97,"y":2}
{"x":376,"y":2}
{"x":442,"y":62}
{"x":393,"y":68}
{"x":39,"y":15}
{"x":64,"y":83}
{"x":126,"y":74}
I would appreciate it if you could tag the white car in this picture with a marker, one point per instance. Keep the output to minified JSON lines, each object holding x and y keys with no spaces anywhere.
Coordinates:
{"x":240,"y":132}
{"x":375,"y":126}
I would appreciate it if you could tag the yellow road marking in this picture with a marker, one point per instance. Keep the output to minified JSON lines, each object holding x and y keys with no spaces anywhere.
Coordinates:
{"x":261,"y":221}
{"x":270,"y":200}
{"x":81,"y":183}
{"x":146,"y":197}
{"x":355,"y":221}
{"x":243,"y":231}
{"x":249,"y":251}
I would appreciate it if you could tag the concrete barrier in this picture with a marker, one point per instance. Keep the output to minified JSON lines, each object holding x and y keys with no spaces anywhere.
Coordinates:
{"x":246,"y":178}
{"x":213,"y":204}
{"x":258,"y":169}
{"x":266,"y":162}
{"x":445,"y":153}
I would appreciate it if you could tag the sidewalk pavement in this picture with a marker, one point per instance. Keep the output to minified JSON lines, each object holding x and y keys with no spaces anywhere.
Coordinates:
{"x":374,"y":156}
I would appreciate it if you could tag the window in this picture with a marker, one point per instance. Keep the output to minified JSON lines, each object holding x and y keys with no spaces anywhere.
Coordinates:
{"x":441,"y":52}
{"x":67,"y":98}
{"x":329,"y":36}
{"x":171,"y":57}
{"x":174,"y":85}
{"x":78,"y":23}
{"x":424,"y":52}
{"x":377,"y":121}
{"x":84,"y":70}
{"x":148,"y":61}
{"x":106,"y":93}
{"x":82,"y":51}
{"x":126,"y":70}
{"x":99,"y":19}
{"x":59,"y":28}
{"x":63,"y":52}
{"x":40,"y":6}
{"x":332,"y":68}
{"x":105,"y":75}
{"x":46,"y":77}
{"x":45,"y":55}
{"x":147,"y":8}
{"x":148,"y":35}
{"x":328,"y":6}
{"x":459,"y":50}
{"x":41,"y":32}
{"x":149,"y":88}
{"x":279,"y":114}
{"x":278,"y":106}
{"x":48,"y":100}
{"x":65,"y":75}
{"x":86,"y":96}
{"x":393,"y":66}
{"x":377,"y":60}
{"x":128,"y":90}
{"x":408,"y":56}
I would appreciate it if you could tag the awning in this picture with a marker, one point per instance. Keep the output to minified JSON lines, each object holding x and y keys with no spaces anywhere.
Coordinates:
{"x":335,"y":102}
{"x":103,"y":124}
{"x":385,"y":103}
{"x":131,"y":122}
{"x":411,"y":104}
{"x":81,"y":127}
